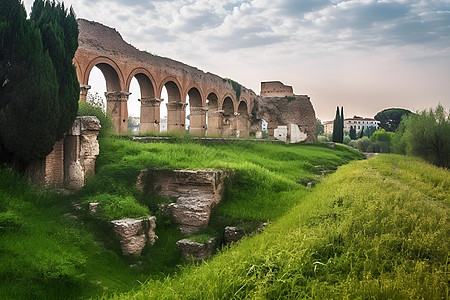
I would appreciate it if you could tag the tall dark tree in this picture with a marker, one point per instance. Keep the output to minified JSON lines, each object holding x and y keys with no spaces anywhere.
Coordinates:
{"x":59,"y":30}
{"x":341,"y":128}
{"x":336,"y":126}
{"x":352,"y":133}
{"x":390,"y":118}
{"x":31,"y":110}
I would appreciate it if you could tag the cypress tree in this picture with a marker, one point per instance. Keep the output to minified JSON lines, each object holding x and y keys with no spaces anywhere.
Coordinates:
{"x":361,"y":133}
{"x":341,"y":127}
{"x":336,"y":125}
{"x":352,"y":133}
{"x":31,"y":109}
{"x":59,"y":31}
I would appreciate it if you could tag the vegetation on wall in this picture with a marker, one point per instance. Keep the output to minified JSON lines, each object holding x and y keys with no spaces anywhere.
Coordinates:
{"x":39,"y":89}
{"x":237,"y":87}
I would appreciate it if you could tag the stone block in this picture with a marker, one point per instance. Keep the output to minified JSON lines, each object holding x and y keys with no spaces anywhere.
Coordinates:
{"x":280,"y":133}
{"x":134,"y":234}
{"x":295,"y":135}
{"x":197,"y":251}
{"x":233,"y":234}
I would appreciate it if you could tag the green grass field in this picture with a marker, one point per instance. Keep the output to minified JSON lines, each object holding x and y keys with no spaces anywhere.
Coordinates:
{"x":373,"y":229}
{"x":376,"y":229}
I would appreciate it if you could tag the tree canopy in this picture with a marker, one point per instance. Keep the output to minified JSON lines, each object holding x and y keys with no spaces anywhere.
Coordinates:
{"x":426,"y":135}
{"x":39,"y":89}
{"x":390,"y":118}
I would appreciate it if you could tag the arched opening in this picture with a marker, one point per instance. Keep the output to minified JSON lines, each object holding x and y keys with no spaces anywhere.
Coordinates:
{"x":213,"y":116}
{"x":143,"y":108}
{"x":195,"y":114}
{"x":134,"y":107}
{"x":243,"y":121}
{"x":116,"y":99}
{"x":96,"y":93}
{"x":228,"y":124}
{"x":163,"y":110}
{"x":175,"y":108}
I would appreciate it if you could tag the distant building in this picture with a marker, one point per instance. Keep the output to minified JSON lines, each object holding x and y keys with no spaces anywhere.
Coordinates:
{"x":328,"y":127}
{"x":360,"y":123}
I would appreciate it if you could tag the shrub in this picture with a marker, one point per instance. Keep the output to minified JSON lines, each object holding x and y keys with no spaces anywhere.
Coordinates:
{"x":115,"y":207}
{"x":86,"y":109}
{"x":427,"y":135}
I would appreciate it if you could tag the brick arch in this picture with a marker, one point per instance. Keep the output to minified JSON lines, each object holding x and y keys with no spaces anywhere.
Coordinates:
{"x":78,"y":69}
{"x":228,"y":105}
{"x":213,"y":92}
{"x":243,"y":107}
{"x":173,"y":91}
{"x":199,"y":100}
{"x":111,"y":71}
{"x":228,"y":95}
{"x":147,"y":83}
{"x":120,"y":62}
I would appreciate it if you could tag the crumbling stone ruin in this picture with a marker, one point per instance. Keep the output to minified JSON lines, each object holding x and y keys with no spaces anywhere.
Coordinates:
{"x":195,"y":194}
{"x":218,"y":107}
{"x":197,"y":251}
{"x":72,"y":159}
{"x":134,"y":234}
{"x":290,"y":117}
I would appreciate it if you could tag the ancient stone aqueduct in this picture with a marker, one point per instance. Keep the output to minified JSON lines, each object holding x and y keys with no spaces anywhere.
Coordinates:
{"x":217,"y":108}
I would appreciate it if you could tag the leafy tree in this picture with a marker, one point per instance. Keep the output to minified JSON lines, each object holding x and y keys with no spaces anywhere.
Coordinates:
{"x":382,"y":139}
{"x":319,"y":127}
{"x":426,"y":135}
{"x":352,"y":133}
{"x":390,"y":118}
{"x":32,"y":110}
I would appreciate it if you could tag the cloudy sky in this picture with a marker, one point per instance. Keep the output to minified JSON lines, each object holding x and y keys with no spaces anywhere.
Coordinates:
{"x":365,"y":55}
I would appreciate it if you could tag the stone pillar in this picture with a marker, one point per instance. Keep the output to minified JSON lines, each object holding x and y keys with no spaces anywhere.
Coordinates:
{"x":150,"y":114}
{"x":176,"y":112}
{"x":84,"y":88}
{"x":116,"y":106}
{"x":242,"y":126}
{"x":198,"y":121}
{"x":80,"y":151}
{"x":229,"y":125}
{"x":215,"y":123}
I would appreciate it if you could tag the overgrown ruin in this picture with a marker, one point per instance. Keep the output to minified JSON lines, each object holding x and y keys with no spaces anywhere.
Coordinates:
{"x":218,"y":106}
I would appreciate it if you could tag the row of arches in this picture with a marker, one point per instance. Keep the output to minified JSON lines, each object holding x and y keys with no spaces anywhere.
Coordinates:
{"x":209,"y":113}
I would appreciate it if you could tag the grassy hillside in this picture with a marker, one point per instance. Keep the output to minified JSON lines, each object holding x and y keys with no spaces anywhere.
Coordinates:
{"x":376,"y":229}
{"x":48,"y":249}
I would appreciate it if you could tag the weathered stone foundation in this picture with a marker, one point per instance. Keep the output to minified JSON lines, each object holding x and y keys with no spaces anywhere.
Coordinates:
{"x":72,"y":159}
{"x":134,"y":234}
{"x":196,"y":193}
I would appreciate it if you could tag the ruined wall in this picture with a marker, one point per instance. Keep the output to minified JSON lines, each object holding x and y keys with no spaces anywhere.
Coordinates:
{"x":276,"y":89}
{"x":279,"y":111}
{"x":72,"y":159}
{"x":119,"y":62}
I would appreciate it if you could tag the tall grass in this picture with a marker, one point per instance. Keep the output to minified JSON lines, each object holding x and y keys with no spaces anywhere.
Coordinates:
{"x":376,"y":229}
{"x":48,"y":249}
